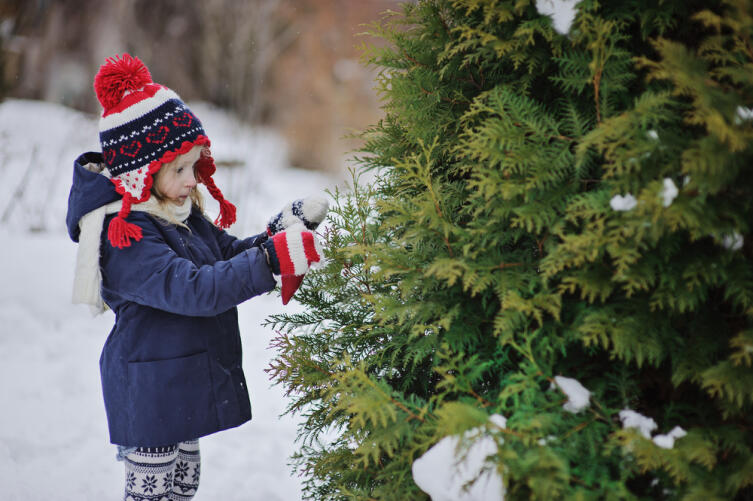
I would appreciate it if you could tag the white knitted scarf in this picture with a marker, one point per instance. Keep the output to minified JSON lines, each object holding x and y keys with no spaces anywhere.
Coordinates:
{"x":87,"y":280}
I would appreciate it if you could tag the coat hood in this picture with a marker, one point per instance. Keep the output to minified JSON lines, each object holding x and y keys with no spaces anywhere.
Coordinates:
{"x":90,"y":190}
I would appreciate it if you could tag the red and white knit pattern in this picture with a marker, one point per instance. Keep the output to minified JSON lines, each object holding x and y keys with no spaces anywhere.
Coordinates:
{"x":296,"y":252}
{"x":140,"y":103}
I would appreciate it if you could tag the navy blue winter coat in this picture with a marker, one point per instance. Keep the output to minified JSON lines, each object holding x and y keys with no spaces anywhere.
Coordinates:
{"x":171,"y":367}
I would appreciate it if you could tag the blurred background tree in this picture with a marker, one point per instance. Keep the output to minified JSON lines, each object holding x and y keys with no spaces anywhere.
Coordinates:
{"x":288,"y":64}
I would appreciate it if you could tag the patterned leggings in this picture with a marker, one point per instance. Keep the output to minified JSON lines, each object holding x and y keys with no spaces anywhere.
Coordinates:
{"x":163,"y":473}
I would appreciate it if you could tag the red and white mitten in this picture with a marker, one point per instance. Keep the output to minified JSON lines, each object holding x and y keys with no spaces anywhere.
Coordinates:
{"x":290,"y":255}
{"x":308,"y":212}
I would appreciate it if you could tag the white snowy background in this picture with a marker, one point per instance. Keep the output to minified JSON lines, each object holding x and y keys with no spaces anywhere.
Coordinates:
{"x":54,"y":443}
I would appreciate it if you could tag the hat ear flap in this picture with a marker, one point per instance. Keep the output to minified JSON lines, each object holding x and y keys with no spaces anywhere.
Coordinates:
{"x":205,"y":168}
{"x":227,"y":210}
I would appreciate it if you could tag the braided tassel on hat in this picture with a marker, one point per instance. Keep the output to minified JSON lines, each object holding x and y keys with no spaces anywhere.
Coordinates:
{"x":120,"y":232}
{"x":204,"y":170}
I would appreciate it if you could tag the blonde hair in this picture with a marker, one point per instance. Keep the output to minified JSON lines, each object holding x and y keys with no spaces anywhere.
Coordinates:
{"x":197,"y":200}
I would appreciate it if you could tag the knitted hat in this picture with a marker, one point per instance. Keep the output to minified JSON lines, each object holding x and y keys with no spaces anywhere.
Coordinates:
{"x":144,"y":126}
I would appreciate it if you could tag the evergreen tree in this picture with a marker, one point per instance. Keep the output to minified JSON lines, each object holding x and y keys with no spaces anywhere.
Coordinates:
{"x":542,"y":205}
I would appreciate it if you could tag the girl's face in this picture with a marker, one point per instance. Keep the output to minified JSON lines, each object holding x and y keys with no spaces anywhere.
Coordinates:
{"x":176,"y":179}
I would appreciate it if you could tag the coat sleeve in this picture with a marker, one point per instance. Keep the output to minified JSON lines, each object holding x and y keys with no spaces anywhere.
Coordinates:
{"x":149,"y":272}
{"x":230,"y":246}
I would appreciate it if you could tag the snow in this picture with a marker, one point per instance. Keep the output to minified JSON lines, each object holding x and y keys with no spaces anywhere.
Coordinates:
{"x":498,"y":420}
{"x":743,"y":114}
{"x":646,"y":425}
{"x":669,"y":192}
{"x":668,"y":441}
{"x":632,"y":419}
{"x":446,"y":469}
{"x":733,"y":242}
{"x":54,"y":442}
{"x":623,"y":203}
{"x":562,"y":13}
{"x":577,"y":395}
{"x":653,"y":134}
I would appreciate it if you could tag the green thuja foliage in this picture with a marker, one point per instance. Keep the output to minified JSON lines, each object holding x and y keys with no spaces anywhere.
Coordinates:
{"x":482,"y":251}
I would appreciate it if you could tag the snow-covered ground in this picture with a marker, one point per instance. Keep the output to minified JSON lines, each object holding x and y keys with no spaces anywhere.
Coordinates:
{"x":53,"y":433}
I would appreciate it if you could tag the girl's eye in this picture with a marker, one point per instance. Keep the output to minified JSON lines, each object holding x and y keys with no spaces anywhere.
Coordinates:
{"x":179,"y":170}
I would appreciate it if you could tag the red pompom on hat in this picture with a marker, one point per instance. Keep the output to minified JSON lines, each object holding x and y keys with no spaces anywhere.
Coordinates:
{"x":143,"y":126}
{"x":118,"y":76}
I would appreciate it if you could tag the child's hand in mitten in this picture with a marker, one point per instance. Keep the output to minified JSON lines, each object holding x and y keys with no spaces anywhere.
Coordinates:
{"x":290,"y":254}
{"x":308,"y":211}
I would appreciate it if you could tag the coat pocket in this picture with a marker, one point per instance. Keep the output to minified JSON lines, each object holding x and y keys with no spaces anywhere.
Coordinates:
{"x":170,"y":400}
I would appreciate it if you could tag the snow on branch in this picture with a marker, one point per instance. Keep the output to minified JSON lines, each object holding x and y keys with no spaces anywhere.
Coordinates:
{"x":577,"y":395}
{"x":623,"y":203}
{"x":668,"y":441}
{"x":448,"y":471}
{"x":669,"y":192}
{"x":646,"y":425}
{"x":743,"y":115}
{"x":632,"y":419}
{"x":733,"y":242}
{"x":562,"y":13}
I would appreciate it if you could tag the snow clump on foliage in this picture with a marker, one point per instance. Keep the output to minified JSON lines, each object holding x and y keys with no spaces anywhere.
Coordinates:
{"x":668,"y":441}
{"x":669,"y":192}
{"x":577,"y":395}
{"x":562,"y":13}
{"x":632,"y":419}
{"x":646,"y":425}
{"x":446,"y":470}
{"x":733,"y":242}
{"x":743,"y":115}
{"x":622,"y":204}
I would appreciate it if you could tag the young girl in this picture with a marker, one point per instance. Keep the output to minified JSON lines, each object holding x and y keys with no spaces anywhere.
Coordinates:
{"x":171,"y":367}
